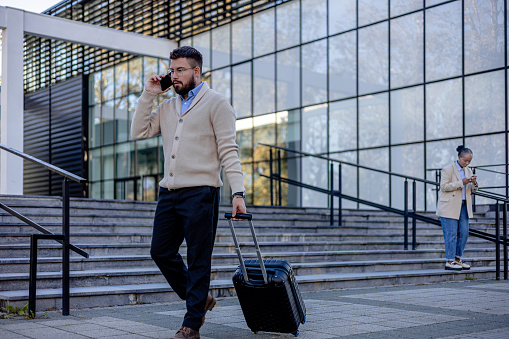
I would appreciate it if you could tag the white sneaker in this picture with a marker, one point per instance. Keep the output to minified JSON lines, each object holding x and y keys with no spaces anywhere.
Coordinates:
{"x":462,"y":264}
{"x":453,"y":266}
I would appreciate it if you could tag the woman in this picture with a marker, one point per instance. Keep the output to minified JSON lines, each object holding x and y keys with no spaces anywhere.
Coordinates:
{"x":455,"y":207}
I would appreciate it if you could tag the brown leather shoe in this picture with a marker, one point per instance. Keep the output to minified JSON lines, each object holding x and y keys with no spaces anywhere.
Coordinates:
{"x":209,"y":305}
{"x":186,"y":333}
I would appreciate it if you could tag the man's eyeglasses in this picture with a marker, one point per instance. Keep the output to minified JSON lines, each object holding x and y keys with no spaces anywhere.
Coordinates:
{"x":179,"y":71}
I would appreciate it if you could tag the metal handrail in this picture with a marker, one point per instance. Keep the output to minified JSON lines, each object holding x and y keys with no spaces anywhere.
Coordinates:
{"x":63,"y":238}
{"x":49,"y":166}
{"x":351,"y":164}
{"x":407,"y":213}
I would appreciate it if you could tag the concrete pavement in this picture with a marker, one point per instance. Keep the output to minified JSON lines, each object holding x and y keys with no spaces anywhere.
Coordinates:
{"x":466,"y":309}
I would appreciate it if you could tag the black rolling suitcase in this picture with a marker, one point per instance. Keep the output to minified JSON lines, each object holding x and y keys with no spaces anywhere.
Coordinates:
{"x":268,"y":293}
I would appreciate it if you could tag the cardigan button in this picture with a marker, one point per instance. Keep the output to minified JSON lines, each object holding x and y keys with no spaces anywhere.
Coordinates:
{"x":176,"y":138}
{"x":181,"y":120}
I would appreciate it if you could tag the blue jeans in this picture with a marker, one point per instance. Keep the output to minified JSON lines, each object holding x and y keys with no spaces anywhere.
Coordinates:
{"x":455,"y":234}
{"x":190,"y":214}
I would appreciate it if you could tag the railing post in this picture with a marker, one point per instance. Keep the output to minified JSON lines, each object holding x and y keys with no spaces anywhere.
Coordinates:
{"x":414,"y":220}
{"x":32,"y":288}
{"x":331,"y":194}
{"x":271,"y":172}
{"x":497,"y":236}
{"x":504,"y":220}
{"x":340,"y":207}
{"x":405,"y":240}
{"x":65,"y":249}
{"x":437,"y":179}
{"x":279,"y":175}
{"x":473,"y":195}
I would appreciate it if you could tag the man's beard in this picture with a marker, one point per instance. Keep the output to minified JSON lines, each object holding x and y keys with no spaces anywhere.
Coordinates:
{"x":184,"y":89}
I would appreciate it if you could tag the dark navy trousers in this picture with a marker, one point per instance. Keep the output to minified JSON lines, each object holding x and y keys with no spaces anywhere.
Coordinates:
{"x":190,"y":214}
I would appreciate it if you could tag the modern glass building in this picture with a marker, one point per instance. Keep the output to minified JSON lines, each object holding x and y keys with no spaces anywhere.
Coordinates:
{"x":390,"y":84}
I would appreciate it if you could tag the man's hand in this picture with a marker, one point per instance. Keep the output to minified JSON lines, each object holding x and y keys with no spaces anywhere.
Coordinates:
{"x":153,"y":86}
{"x":239,"y":206}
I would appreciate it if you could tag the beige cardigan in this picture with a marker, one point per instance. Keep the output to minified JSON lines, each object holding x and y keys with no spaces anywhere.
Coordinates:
{"x":195,"y":144}
{"x":450,"y":195}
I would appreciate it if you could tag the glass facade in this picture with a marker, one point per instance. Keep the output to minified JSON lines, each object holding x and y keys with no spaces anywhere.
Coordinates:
{"x":119,"y":167}
{"x":395,"y":85}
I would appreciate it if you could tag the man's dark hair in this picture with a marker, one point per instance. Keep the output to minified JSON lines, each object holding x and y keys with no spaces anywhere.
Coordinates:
{"x":462,"y":150}
{"x":188,"y":52}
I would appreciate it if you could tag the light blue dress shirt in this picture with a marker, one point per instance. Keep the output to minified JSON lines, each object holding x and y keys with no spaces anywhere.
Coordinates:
{"x":186,"y":103}
{"x":462,"y":176}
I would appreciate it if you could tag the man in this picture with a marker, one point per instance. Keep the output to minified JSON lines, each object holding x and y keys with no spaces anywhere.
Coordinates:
{"x":198,"y":132}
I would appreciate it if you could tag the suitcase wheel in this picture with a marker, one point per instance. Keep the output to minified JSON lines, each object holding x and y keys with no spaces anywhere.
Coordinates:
{"x":255,"y":332}
{"x":296,"y":333}
{"x":304,"y":320}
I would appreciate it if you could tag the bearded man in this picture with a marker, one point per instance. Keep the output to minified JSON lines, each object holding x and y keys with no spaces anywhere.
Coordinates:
{"x":198,"y":132}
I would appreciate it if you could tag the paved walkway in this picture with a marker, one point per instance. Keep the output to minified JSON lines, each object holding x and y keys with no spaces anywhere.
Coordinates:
{"x":469,"y":309}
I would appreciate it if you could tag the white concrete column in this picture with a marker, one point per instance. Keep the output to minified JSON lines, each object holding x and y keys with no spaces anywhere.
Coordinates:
{"x":12,"y":97}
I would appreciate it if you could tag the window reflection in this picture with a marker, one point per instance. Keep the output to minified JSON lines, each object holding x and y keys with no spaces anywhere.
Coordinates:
{"x":443,"y":41}
{"x":264,"y":85}
{"x":264,"y":131}
{"x":288,"y":79}
{"x":444,"y":109}
{"x":407,"y":50}
{"x":343,"y":125}
{"x":244,"y":139}
{"x":342,"y":15}
{"x":374,"y":120}
{"x":288,"y":136}
{"x":242,"y":90}
{"x":288,"y":18}
{"x":314,"y":140}
{"x":313,"y":14}
{"x":221,"y":82}
{"x":348,"y":175}
{"x":264,"y":39}
{"x":407,"y":115}
{"x":484,"y":35}
{"x":373,"y":58}
{"x":241,"y":39}
{"x":202,"y":43}
{"x":372,"y":11}
{"x":484,"y":106}
{"x":221,"y":46}
{"x":374,"y":186}
{"x":399,"y":7}
{"x":407,"y":160}
{"x":343,"y":66}
{"x":314,"y":73}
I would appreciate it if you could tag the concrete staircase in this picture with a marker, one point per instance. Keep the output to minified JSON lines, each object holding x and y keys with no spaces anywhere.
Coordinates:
{"x":366,"y":251}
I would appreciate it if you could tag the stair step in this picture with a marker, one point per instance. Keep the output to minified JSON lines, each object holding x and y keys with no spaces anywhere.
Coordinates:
{"x":84,"y":297}
{"x":116,"y":276}
{"x":366,"y":251}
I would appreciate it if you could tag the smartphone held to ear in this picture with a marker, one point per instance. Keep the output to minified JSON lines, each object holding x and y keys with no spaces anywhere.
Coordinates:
{"x":166,"y":82}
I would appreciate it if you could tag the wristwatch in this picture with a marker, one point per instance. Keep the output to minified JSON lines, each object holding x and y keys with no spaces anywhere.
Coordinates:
{"x":239,"y":194}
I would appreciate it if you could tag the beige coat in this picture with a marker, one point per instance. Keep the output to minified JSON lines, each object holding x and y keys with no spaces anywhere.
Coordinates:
{"x":195,"y":144}
{"x":450,"y":195}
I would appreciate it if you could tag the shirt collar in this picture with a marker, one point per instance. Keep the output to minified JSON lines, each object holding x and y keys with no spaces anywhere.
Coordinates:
{"x":458,"y":166}
{"x":192,"y":93}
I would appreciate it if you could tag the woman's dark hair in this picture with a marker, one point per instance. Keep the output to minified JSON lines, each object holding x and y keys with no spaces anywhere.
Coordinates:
{"x":462,"y":150}
{"x":196,"y":59}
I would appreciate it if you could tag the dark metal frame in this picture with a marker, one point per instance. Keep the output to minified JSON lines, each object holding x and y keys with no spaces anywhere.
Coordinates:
{"x":63,"y":238}
{"x":406,"y":212}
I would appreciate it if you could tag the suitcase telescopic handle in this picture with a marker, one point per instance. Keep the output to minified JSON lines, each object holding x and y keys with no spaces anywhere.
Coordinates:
{"x":249,"y":218}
